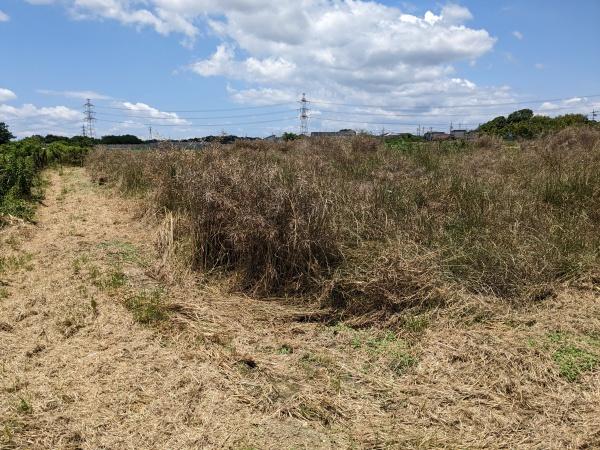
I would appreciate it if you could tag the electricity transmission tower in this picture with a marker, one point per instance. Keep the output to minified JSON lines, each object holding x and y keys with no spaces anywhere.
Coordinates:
{"x":83,"y":131}
{"x":594,"y":115}
{"x":304,"y":115}
{"x":89,"y":118}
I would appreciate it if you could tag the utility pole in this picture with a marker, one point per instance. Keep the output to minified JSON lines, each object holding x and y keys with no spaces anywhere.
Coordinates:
{"x":89,"y":118}
{"x":304,"y":116}
{"x":150,"y":131}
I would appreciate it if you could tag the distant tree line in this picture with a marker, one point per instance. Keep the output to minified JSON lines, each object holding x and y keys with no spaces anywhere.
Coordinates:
{"x":523,"y":124}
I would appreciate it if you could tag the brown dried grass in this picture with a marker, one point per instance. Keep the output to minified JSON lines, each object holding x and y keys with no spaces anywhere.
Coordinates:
{"x":232,"y":371}
{"x":377,"y":228}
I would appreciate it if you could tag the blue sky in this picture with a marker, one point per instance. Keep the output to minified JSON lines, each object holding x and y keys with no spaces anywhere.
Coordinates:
{"x":197,"y":67}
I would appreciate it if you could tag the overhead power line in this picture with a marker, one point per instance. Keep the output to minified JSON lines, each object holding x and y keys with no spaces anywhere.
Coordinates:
{"x":241,"y":108}
{"x":428,"y":114}
{"x":269,"y":113}
{"x":200,"y":118}
{"x":327,"y":119}
{"x":466,"y":105}
{"x":232,"y":124}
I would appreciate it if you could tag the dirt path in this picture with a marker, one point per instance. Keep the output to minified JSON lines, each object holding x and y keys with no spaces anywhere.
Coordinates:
{"x":87,"y":359}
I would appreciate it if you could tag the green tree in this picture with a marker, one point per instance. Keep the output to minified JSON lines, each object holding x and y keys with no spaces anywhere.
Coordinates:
{"x":5,"y":134}
{"x":290,"y":136}
{"x":126,"y":139}
{"x":520,"y":116}
{"x":523,"y":124}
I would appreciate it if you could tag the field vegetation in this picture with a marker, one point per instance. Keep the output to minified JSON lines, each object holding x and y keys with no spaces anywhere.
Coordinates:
{"x":351,"y":293}
{"x":370,"y":229}
{"x":20,"y":166}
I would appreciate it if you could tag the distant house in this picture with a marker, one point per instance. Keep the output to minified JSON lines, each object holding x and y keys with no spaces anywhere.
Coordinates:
{"x":436,"y":136}
{"x":271,"y":138}
{"x":458,"y":134}
{"x":345,"y":132}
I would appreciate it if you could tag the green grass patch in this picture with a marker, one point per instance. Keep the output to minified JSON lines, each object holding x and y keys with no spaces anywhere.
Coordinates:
{"x":147,"y":307}
{"x":573,"y":361}
{"x":387,"y":346}
{"x":15,"y":262}
{"x":285,"y":350}
{"x":573,"y":354}
{"x":120,"y":251}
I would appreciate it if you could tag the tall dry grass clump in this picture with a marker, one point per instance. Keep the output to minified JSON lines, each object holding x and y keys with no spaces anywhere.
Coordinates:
{"x":374,"y":227}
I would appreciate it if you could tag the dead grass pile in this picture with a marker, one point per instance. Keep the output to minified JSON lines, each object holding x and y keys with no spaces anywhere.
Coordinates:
{"x":379,"y":227}
{"x":379,"y":282}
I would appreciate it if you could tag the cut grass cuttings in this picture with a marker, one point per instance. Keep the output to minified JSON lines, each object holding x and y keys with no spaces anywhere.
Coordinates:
{"x":148,"y":307}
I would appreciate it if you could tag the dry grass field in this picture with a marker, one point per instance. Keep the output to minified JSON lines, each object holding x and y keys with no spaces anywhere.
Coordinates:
{"x":308,"y":294}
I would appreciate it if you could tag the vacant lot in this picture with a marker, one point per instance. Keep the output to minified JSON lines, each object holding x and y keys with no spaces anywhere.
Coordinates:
{"x":339,"y":295}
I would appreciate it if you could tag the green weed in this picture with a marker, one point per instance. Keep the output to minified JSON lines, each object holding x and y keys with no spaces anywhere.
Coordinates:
{"x":573,"y":361}
{"x":24,"y":407}
{"x":285,"y":350}
{"x":15,"y":263}
{"x":147,"y":307}
{"x":570,"y":353}
{"x":121,"y":251}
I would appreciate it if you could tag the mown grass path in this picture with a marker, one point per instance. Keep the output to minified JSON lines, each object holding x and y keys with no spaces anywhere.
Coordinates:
{"x":95,"y":352}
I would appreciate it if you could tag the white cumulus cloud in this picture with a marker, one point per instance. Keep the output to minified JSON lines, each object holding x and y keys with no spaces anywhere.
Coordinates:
{"x":6,"y":95}
{"x":351,"y":50}
{"x":30,"y":119}
{"x":4,"y":17}
{"x":147,"y":112}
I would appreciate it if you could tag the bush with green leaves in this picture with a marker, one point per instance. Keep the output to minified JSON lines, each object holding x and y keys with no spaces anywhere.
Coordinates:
{"x":523,"y":124}
{"x":20,"y":165}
